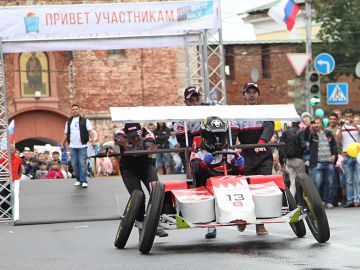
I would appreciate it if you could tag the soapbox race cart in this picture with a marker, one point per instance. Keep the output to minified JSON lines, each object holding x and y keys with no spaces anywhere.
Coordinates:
{"x":227,"y":200}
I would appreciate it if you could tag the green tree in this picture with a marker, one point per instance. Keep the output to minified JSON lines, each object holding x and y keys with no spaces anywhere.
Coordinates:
{"x":340,"y":32}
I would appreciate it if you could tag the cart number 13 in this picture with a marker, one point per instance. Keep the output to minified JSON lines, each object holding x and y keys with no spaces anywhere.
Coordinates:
{"x":236,"y":199}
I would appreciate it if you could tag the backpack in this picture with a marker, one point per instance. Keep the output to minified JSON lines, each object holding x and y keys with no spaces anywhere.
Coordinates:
{"x":292,"y":143}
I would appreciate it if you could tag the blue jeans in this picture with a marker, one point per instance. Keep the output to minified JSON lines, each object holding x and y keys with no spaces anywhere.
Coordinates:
{"x":162,"y":159}
{"x":78,"y":161}
{"x":352,"y":178}
{"x":324,"y":174}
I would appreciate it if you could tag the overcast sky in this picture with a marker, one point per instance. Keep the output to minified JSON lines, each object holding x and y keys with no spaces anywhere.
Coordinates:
{"x":232,"y":25}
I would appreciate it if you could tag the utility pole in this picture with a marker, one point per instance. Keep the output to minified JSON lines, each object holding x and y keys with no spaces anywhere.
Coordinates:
{"x":309,"y":51}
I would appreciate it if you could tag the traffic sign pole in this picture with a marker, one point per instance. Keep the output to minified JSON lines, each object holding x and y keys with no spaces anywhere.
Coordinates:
{"x":308,"y":51}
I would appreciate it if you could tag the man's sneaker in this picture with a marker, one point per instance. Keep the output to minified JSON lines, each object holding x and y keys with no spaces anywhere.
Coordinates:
{"x":329,"y":206}
{"x":84,"y":185}
{"x":260,"y":229}
{"x":161,"y":233}
{"x":77,"y":183}
{"x":348,"y":205}
{"x":211,"y":233}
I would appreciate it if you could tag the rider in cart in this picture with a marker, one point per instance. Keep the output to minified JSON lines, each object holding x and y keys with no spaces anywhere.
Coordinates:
{"x":214,"y":133}
{"x":139,"y":168}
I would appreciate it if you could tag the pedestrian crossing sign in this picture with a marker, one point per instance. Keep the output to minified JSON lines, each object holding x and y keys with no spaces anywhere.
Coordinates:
{"x":337,"y":94}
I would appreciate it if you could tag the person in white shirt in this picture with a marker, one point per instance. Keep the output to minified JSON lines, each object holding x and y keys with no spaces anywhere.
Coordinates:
{"x":77,"y":134}
{"x":347,"y":134}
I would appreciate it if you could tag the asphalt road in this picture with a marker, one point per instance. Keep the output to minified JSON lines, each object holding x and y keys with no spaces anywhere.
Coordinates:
{"x":89,"y":245}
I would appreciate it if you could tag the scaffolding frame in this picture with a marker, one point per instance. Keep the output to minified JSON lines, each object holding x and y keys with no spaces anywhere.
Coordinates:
{"x":204,"y":68}
{"x":5,"y":157}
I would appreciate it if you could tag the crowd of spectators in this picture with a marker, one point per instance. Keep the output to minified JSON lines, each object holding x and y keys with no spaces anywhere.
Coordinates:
{"x":327,"y":148}
{"x":44,"y":164}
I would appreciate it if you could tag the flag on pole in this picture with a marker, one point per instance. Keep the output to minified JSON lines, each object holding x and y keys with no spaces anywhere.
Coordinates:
{"x":285,"y":11}
{"x":12,"y":131}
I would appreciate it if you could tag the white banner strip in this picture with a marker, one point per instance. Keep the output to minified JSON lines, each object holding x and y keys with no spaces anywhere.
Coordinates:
{"x":124,"y":20}
{"x":283,"y":112}
{"x":100,"y":44}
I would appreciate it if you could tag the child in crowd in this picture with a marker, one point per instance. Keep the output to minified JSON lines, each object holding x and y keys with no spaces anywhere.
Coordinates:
{"x":54,"y":171}
{"x":42,"y":173}
{"x":65,"y":170}
{"x":31,"y":168}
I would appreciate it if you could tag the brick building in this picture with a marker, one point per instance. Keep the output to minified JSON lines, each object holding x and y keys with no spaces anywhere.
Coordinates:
{"x":276,"y":75}
{"x":97,"y":80}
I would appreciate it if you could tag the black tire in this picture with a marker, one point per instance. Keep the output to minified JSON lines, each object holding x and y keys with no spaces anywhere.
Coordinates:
{"x":152,"y":215}
{"x":297,"y":227}
{"x":309,"y":199}
{"x":127,"y":223}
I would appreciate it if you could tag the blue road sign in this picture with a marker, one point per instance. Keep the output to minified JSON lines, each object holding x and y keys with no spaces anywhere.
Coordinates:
{"x":337,"y":94}
{"x":324,"y":63}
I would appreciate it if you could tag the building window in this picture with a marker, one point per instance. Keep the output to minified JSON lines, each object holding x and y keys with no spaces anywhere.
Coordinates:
{"x":265,"y":61}
{"x":229,"y":63}
{"x":34,"y":75}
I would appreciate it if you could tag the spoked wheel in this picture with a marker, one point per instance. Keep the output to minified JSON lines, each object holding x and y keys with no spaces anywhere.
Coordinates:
{"x":128,"y":219}
{"x":297,"y":227}
{"x":309,"y":199}
{"x":152,"y":216}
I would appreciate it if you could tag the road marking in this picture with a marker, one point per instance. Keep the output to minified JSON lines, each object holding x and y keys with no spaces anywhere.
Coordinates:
{"x":81,"y":226}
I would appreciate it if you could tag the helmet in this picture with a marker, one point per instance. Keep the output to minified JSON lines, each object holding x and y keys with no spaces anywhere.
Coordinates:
{"x":213,"y":132}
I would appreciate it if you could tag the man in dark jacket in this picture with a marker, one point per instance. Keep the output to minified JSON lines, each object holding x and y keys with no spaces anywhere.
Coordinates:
{"x":323,"y":153}
{"x":292,"y":154}
{"x":258,"y":161}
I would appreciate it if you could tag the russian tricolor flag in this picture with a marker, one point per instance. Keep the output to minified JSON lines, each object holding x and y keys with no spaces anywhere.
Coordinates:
{"x":12,"y":131}
{"x":285,"y":11}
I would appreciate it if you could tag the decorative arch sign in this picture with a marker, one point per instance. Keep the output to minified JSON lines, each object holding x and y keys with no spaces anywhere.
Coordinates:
{"x":104,"y":26}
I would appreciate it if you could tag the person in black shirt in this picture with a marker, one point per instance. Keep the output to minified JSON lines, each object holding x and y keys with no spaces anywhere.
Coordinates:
{"x":137,"y":168}
{"x":258,"y":161}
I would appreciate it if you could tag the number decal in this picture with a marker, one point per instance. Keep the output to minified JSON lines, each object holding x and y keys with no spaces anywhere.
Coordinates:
{"x":236,"y":199}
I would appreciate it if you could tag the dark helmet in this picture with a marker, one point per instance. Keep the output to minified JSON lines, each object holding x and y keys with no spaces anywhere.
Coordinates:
{"x":213,"y":132}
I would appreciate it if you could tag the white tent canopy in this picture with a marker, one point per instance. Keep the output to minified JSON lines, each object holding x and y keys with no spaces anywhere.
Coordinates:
{"x":106,"y":26}
{"x":198,"y":113}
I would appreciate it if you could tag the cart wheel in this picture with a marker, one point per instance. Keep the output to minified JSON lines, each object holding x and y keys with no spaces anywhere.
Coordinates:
{"x":297,"y":227}
{"x":309,"y":199}
{"x":128,"y":220}
{"x":152,"y":215}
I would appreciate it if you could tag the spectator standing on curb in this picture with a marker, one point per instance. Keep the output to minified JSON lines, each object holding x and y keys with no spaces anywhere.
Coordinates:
{"x":176,"y":160}
{"x":16,"y":169}
{"x":162,"y":133}
{"x":323,"y":154}
{"x":293,"y":152}
{"x":47,"y":153}
{"x":16,"y":163}
{"x":259,"y":160}
{"x":56,"y":157}
{"x":54,"y":171}
{"x":339,"y":189}
{"x":26,"y":157}
{"x":42,"y":172}
{"x":31,"y":168}
{"x":347,"y":134}
{"x":306,"y":121}
{"x":77,"y":134}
